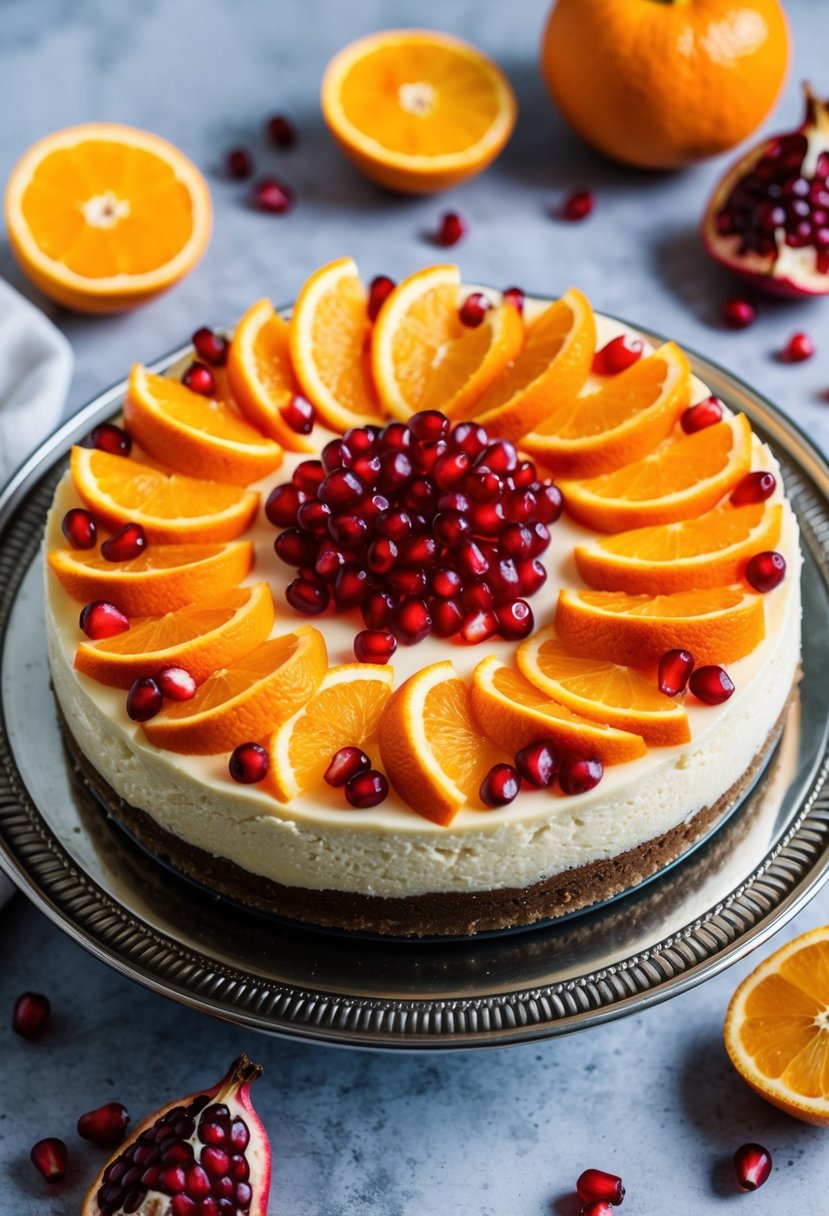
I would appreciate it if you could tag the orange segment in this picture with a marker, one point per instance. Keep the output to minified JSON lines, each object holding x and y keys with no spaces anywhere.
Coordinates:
{"x":546,"y":376}
{"x":345,"y":711}
{"x":706,"y":552}
{"x":601,"y":690}
{"x":717,"y":624}
{"x":200,"y":638}
{"x":777,"y":1028}
{"x":169,"y":506}
{"x":261,"y":376}
{"x":424,"y":357}
{"x":245,"y":701}
{"x":514,"y":712}
{"x":684,"y":476}
{"x":629,"y":415}
{"x":103,"y":217}
{"x":194,"y":434}
{"x":434,"y":753}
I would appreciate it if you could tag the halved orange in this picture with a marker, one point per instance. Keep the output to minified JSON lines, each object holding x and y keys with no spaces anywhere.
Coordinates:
{"x":706,"y":552}
{"x":601,"y":690}
{"x":103,"y":217}
{"x":344,"y":711}
{"x":717,"y":624}
{"x":513,"y":712}
{"x":161,"y":579}
{"x":261,"y":377}
{"x":682,"y":477}
{"x":246,"y":701}
{"x":200,"y":638}
{"x":549,"y":372}
{"x":424,"y":357}
{"x":330,"y":334}
{"x":777,"y":1028}
{"x":196,"y":435}
{"x":622,"y":421}
{"x":433,"y":750}
{"x":169,"y":506}
{"x":417,"y":110}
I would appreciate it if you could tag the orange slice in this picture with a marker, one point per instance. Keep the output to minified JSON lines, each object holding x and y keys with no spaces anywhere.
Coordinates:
{"x":777,"y":1028}
{"x":329,"y":346}
{"x":684,"y":476}
{"x":261,"y":377}
{"x":417,"y":110}
{"x":434,"y":752}
{"x":624,"y":420}
{"x":246,"y":701}
{"x":169,"y":506}
{"x":103,"y":217}
{"x":706,"y":552}
{"x":424,"y":357}
{"x":200,"y":638}
{"x":161,"y":579}
{"x":514,"y":712}
{"x":717,"y":624}
{"x":194,"y":434}
{"x":546,"y":376}
{"x":602,"y":691}
{"x":344,"y":711}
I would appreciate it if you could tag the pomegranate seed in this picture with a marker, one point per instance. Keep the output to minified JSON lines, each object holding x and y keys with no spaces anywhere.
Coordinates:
{"x":752,"y":1164}
{"x":593,"y":1185}
{"x":374,"y":646}
{"x":107,"y":437}
{"x":711,"y":685}
{"x":479,"y":626}
{"x":405,"y":583}
{"x":379,"y":290}
{"x":49,"y":1156}
{"x":199,"y":379}
{"x":348,"y":529}
{"x":515,"y":297}
{"x":500,"y":456}
{"x":197,"y":1184}
{"x":474,"y":309}
{"x":766,"y":570}
{"x":299,"y":415}
{"x":214,"y":1160}
{"x":549,"y":503}
{"x":738,"y":314}
{"x":79,"y":528}
{"x":449,"y":470}
{"x":313,"y":516}
{"x":395,"y":471}
{"x":577,"y":206}
{"x":382,"y":555}
{"x":248,"y":763}
{"x":211,"y":347}
{"x":283,"y":503}
{"x":500,"y":786}
{"x":31,"y":1010}
{"x":295,"y":547}
{"x":451,"y":229}
{"x":107,"y":1125}
{"x":538,"y":762}
{"x":378,"y":608}
{"x":577,"y":775}
{"x":486,"y":518}
{"x":367,"y":467}
{"x":395,"y":525}
{"x":239,"y":163}
{"x":272,"y":196}
{"x":599,"y":1207}
{"x":469,"y":437}
{"x":281,"y":131}
{"x":477,"y":597}
{"x":329,"y":562}
{"x":539,"y":538}
{"x":345,"y":764}
{"x":452,"y":529}
{"x":618,"y":355}
{"x":531,"y":575}
{"x":704,"y":413}
{"x":515,"y":620}
{"x":144,"y":699}
{"x":754,"y":487}
{"x":471,"y":560}
{"x":429,"y":425}
{"x":308,"y":476}
{"x":176,"y":683}
{"x":101,"y":619}
{"x":341,"y":489}
{"x":366,"y":789}
{"x":182,"y":1205}
{"x":412,"y":621}
{"x":798,"y":348}
{"x":172,"y":1179}
{"x":675,"y":668}
{"x":307,"y":597}
{"x":351,"y":586}
{"x":125,"y":544}
{"x":394,"y":437}
{"x":445,"y":582}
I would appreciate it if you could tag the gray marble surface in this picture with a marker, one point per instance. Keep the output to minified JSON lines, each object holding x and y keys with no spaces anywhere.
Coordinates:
{"x":505,"y":1132}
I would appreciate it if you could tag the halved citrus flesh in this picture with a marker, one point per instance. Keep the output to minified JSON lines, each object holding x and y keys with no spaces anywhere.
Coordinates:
{"x":777,"y":1028}
{"x":680,"y":479}
{"x":709,"y":551}
{"x":161,"y":579}
{"x":169,"y":506}
{"x":514,"y":712}
{"x":193,"y":434}
{"x":622,"y":421}
{"x":344,"y":711}
{"x":103,"y":217}
{"x":602,"y":691}
{"x":330,"y":333}
{"x":261,"y":376}
{"x":717,"y":624}
{"x":433,"y":751}
{"x":417,"y":110}
{"x":545,"y":376}
{"x":247,"y":700}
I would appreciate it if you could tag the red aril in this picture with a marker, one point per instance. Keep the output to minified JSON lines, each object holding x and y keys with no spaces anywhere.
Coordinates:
{"x":49,"y":1158}
{"x":248,"y":763}
{"x":269,"y":194}
{"x":618,"y":355}
{"x":107,"y":437}
{"x":738,"y":313}
{"x":378,"y":608}
{"x":125,"y":544}
{"x":345,"y":764}
{"x":79,"y":528}
{"x":515,"y":620}
{"x":474,"y":309}
{"x":450,"y":230}
{"x":752,"y":1165}
{"x":176,"y":683}
{"x":412,"y":621}
{"x":798,"y":348}
{"x":379,"y":290}
{"x":599,"y":1207}
{"x":102,"y":619}
{"x":754,"y":487}
{"x":447,"y":617}
{"x":106,"y":1125}
{"x":675,"y":669}
{"x":295,"y":547}
{"x":299,"y":415}
{"x":211,"y":347}
{"x":283,"y":503}
{"x":30,"y":1014}
{"x":478,"y":626}
{"x":144,"y":699}
{"x":366,"y":790}
{"x":374,"y":646}
{"x":593,"y":1185}
{"x":239,"y":163}
{"x":281,"y":131}
{"x":307,"y":597}
{"x":500,"y":786}
{"x":199,"y":379}
{"x":550,"y":502}
{"x":704,"y":413}
{"x":531,"y":575}
{"x":538,"y":762}
{"x":515,"y":297}
{"x":308,"y":476}
{"x":766,"y":570}
{"x":577,"y":775}
{"x":711,"y":685}
{"x":577,"y":205}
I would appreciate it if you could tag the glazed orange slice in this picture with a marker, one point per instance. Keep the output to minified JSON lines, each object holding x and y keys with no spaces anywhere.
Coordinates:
{"x":193,"y":434}
{"x":514,"y":712}
{"x":602,"y":691}
{"x":247,"y":700}
{"x":680,"y":479}
{"x":433,"y":751}
{"x":261,"y":377}
{"x":424,"y":357}
{"x":710,"y":551}
{"x":201,"y":638}
{"x":624,"y":420}
{"x":344,"y":711}
{"x":777,"y":1028}
{"x":169,"y":506}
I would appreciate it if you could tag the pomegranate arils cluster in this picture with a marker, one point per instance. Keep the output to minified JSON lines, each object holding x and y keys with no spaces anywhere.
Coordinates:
{"x":539,"y":763}
{"x":363,"y":786}
{"x":710,"y":684}
{"x":146,"y":693}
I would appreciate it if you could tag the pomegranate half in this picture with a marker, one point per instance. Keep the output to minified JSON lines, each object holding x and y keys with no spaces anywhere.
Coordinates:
{"x":768,"y":219}
{"x":203,"y":1155}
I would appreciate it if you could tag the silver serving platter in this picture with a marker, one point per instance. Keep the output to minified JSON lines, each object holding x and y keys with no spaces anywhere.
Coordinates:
{"x":698,"y":917}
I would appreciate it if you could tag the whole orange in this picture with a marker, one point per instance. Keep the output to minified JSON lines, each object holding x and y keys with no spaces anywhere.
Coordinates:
{"x":662,"y":83}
